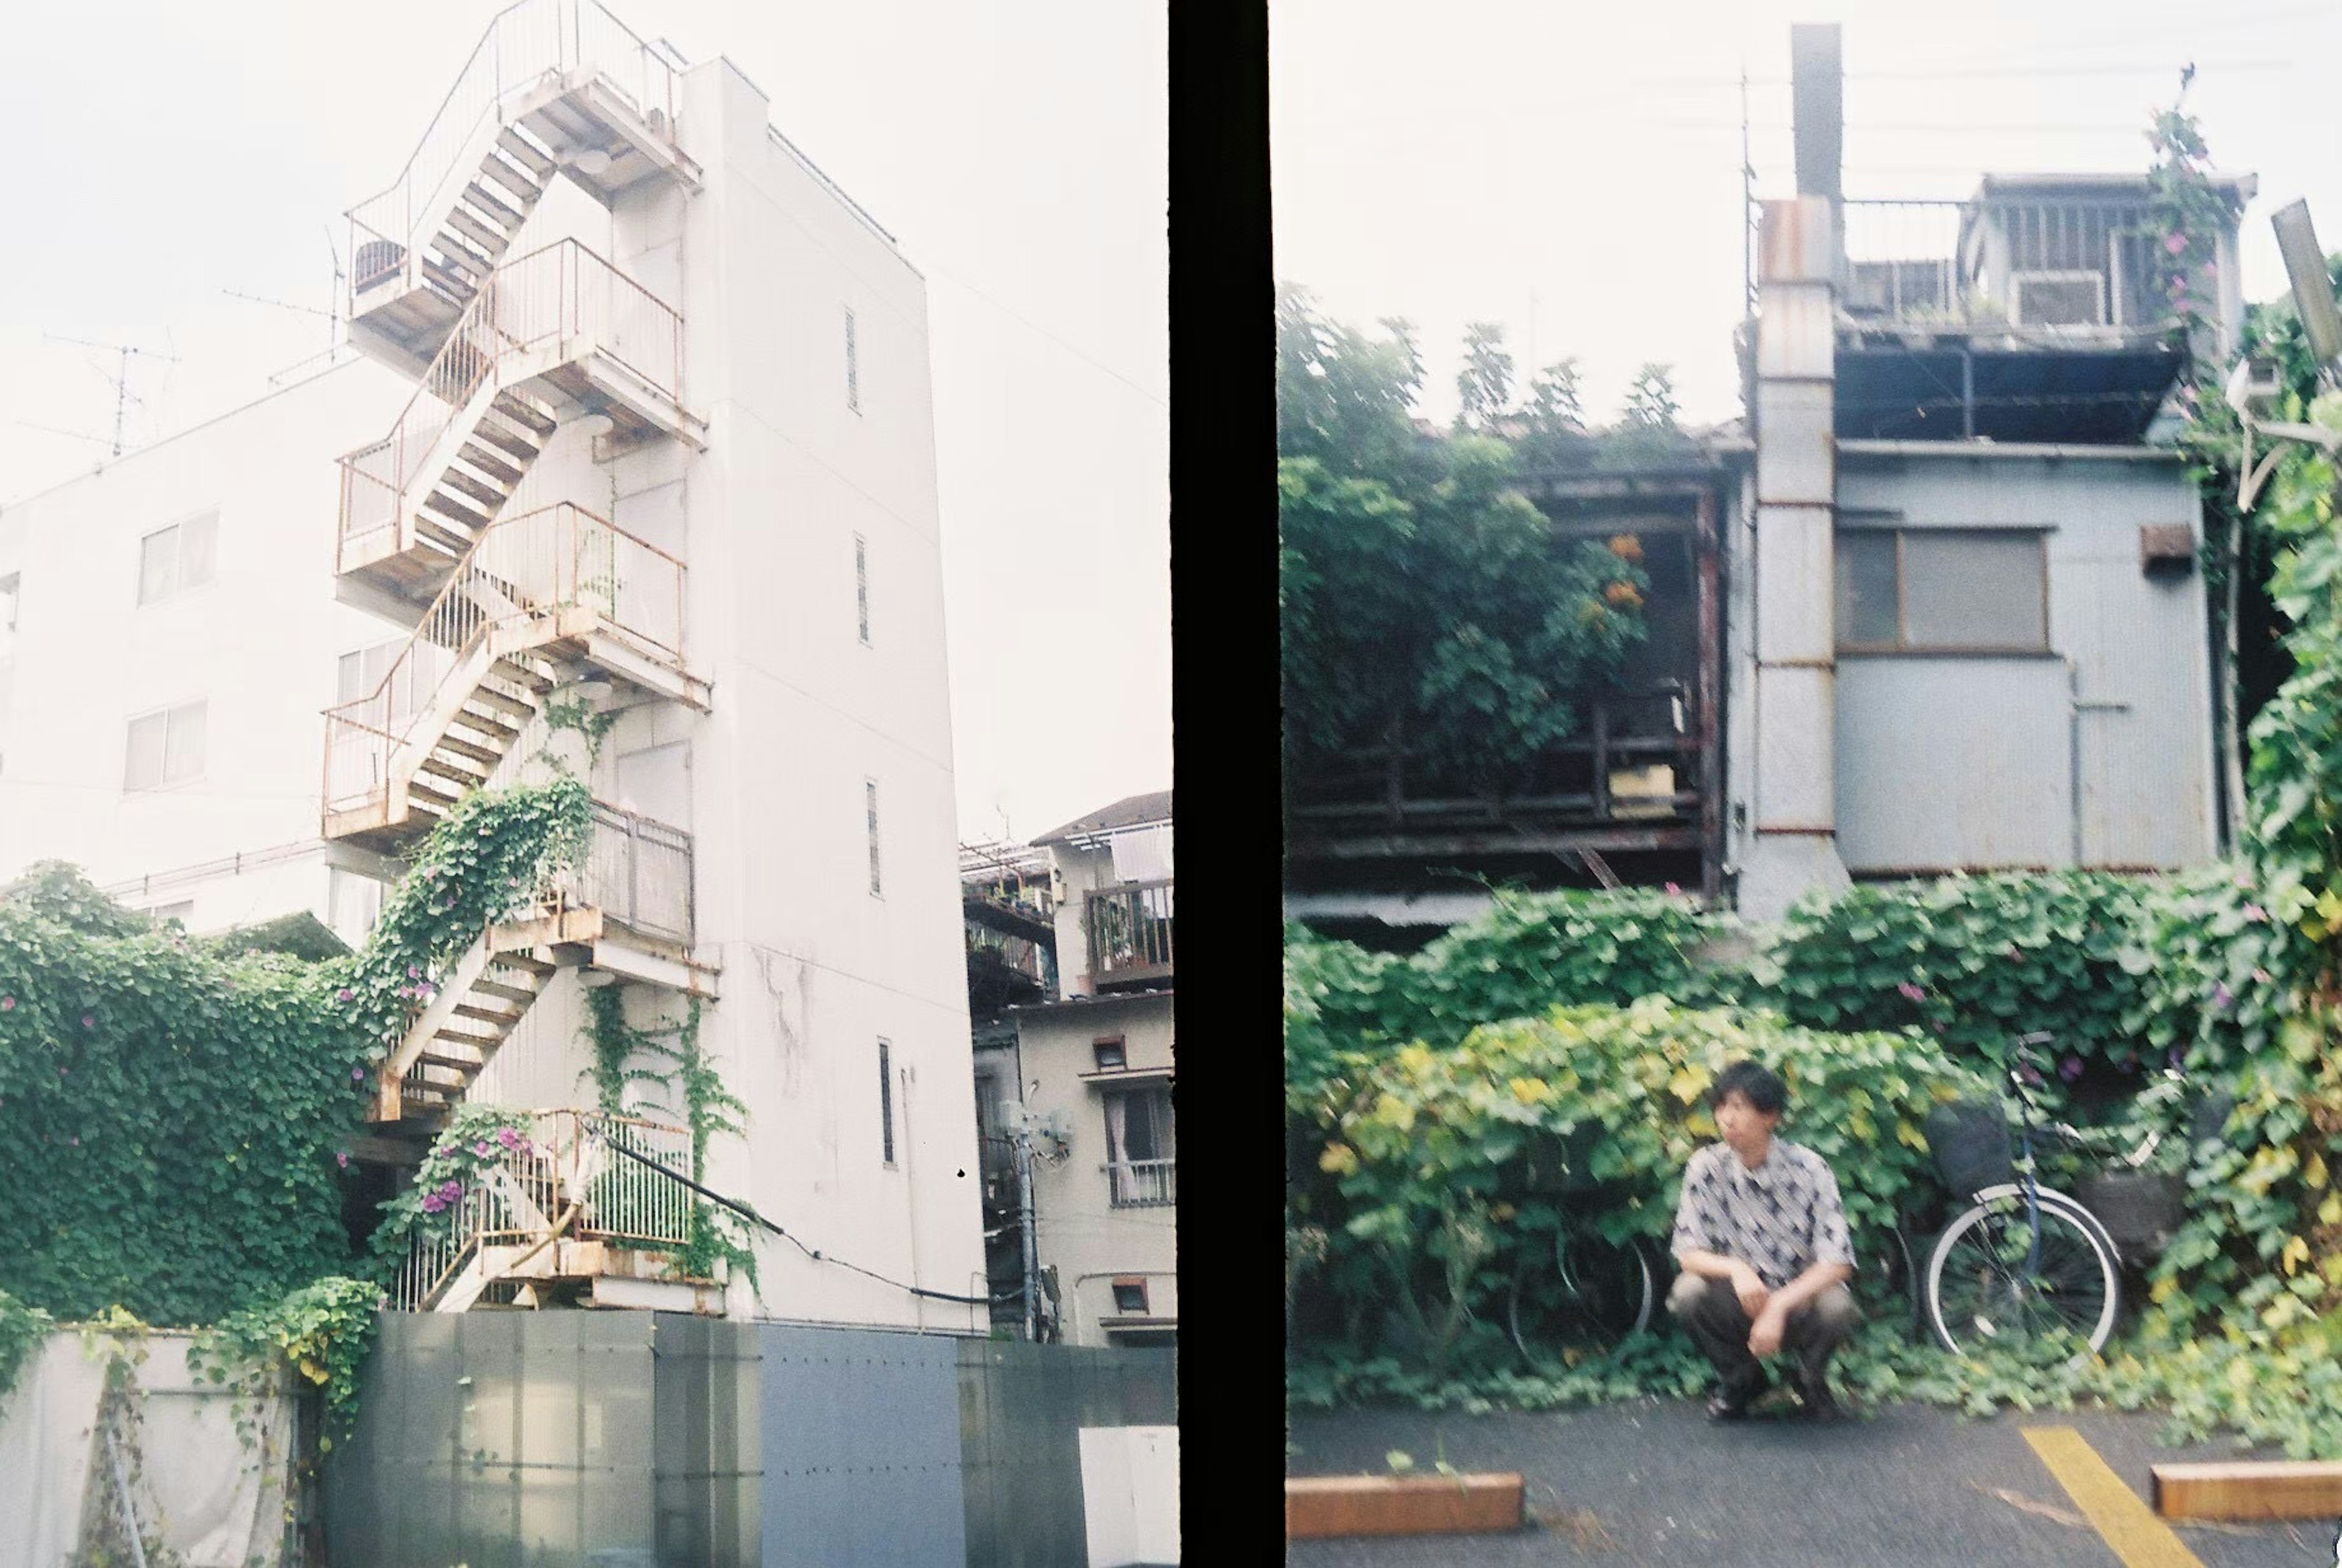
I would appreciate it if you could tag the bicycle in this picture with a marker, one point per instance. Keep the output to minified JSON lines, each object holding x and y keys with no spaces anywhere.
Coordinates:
{"x":2023,"y":1261}
{"x":1571,"y":1287}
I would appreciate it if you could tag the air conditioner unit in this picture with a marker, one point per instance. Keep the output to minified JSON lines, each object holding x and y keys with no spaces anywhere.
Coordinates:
{"x":2059,"y":298}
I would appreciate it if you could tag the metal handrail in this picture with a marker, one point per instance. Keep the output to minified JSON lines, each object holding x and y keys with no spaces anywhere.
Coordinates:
{"x":1140,"y":938}
{"x":554,"y":558}
{"x":522,"y":46}
{"x":563,"y":291}
{"x":1142,"y":1183}
{"x":563,"y":1158}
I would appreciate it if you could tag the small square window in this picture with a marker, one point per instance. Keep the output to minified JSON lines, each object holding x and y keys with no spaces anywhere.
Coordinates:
{"x":1943,"y":590}
{"x":164,"y":748}
{"x":174,"y":559}
{"x":1130,"y":1296}
{"x":1110,"y":1054}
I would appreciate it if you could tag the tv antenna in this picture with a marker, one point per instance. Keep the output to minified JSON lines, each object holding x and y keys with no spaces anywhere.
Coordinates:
{"x":123,"y":396}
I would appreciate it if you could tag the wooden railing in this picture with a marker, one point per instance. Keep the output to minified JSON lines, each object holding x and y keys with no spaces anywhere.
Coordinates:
{"x":1129,"y":930}
{"x":1143,"y":1183}
{"x":521,"y":45}
{"x":555,"y":1161}
{"x":556,"y":557}
{"x":560,"y":294}
{"x":1571,"y":782}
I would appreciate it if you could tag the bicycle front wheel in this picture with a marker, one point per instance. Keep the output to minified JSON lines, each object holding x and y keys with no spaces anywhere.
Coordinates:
{"x":1582,"y":1295}
{"x":1995,"y":1279}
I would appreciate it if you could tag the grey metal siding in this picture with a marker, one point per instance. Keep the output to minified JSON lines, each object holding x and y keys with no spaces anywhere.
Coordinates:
{"x":1022,"y":1409}
{"x":862,"y":1450}
{"x":1971,"y":762}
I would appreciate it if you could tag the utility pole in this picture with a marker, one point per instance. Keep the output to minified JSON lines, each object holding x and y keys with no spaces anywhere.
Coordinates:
{"x":1026,"y":1242}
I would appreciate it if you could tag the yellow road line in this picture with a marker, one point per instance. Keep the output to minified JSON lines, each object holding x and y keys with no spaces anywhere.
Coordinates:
{"x":2136,"y":1535}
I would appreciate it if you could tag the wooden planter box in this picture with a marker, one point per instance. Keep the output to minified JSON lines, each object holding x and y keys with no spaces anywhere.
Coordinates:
{"x":1319,"y":1505}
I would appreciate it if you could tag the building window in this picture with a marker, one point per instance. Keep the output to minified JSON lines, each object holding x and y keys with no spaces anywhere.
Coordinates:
{"x":853,"y":367}
{"x":174,"y":559}
{"x":870,"y":813}
{"x":1109,"y":1051}
{"x":1130,"y":1297}
{"x":165,"y":748}
{"x":1943,"y":590}
{"x":886,"y":1100}
{"x":353,"y":903}
{"x":1140,"y":1156}
{"x":362,"y":674}
{"x":862,"y":585}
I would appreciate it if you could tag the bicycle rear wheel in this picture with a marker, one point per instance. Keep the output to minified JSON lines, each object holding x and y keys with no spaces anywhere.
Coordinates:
{"x":1987,"y":1284}
{"x":1580,"y":1293}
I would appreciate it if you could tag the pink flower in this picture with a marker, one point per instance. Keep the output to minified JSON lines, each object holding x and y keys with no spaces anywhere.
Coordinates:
{"x":2070,"y":1068}
{"x":2221,"y":997}
{"x":1911,"y":993}
{"x":2255,"y":913}
{"x":433,"y":1203}
{"x":2175,"y":243}
{"x":2261,"y":976}
{"x":451,"y":1189}
{"x":507,"y":1137}
{"x":483,"y":1148}
{"x":7,"y":1004}
{"x":412,"y":973}
{"x":87,"y":1022}
{"x":1673,"y":890}
{"x":343,"y":1161}
{"x":357,"y":1074}
{"x":344,"y":994}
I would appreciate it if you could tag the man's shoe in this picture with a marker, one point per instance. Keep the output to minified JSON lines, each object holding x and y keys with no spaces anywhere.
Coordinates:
{"x":1731,"y":1403}
{"x":1815,"y":1399}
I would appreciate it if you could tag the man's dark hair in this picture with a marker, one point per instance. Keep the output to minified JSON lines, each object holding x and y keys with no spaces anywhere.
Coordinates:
{"x":1759,"y":1084}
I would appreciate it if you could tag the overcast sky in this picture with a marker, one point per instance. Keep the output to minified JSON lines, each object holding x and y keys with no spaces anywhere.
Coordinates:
{"x":1573,"y":170}
{"x":166,"y":153}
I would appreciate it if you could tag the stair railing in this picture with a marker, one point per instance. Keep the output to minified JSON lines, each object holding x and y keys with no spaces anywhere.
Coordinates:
{"x":563,"y":1158}
{"x":556,"y":556}
{"x":560,"y":294}
{"x":523,"y":46}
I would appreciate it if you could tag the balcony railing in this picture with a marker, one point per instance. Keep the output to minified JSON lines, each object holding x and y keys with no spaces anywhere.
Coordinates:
{"x":1634,"y":759}
{"x":2002,"y":262}
{"x":1129,"y":930}
{"x":638,"y":874}
{"x":560,"y":294}
{"x":1143,"y":1183}
{"x":559,"y":1160}
{"x":556,"y":557}
{"x":523,"y":43}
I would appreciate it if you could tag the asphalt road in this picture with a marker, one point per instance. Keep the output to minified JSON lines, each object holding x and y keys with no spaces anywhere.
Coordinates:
{"x":1650,"y":1483}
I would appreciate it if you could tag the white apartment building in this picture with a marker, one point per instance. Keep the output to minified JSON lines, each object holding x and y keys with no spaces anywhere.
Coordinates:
{"x":646,"y":424}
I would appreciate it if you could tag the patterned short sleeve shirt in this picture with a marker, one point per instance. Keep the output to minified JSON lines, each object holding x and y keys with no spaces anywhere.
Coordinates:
{"x":1780,"y":1219}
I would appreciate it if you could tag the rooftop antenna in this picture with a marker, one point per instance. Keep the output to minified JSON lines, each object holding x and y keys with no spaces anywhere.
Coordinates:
{"x":123,"y":398}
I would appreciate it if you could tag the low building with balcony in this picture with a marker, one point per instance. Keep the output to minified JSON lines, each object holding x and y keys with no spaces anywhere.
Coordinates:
{"x":1075,"y":1088}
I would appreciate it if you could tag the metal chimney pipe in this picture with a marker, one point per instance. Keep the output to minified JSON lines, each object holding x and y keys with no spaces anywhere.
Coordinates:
{"x":1818,"y":77}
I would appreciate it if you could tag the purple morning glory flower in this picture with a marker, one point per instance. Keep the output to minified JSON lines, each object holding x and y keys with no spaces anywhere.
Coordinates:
{"x":451,"y":1189}
{"x":1911,"y":993}
{"x":2070,"y":1068}
{"x":343,"y":1161}
{"x":483,"y":1148}
{"x":7,"y":1004}
{"x":88,"y":1021}
{"x":2221,"y":997}
{"x":507,"y":1137}
{"x":2028,"y":1074}
{"x":433,"y":1203}
{"x":344,"y":994}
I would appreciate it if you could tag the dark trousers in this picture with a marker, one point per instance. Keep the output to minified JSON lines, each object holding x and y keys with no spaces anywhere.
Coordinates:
{"x":1710,"y":1312}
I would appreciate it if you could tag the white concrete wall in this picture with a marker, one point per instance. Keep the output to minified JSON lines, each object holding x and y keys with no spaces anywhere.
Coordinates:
{"x":257,"y":645}
{"x":1078,"y":1229}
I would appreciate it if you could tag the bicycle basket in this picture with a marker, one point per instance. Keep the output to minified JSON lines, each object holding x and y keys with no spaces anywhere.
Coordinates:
{"x":1970,"y":1142}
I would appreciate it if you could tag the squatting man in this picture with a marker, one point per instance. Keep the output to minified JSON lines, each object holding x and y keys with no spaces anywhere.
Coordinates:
{"x":1760,"y":1236}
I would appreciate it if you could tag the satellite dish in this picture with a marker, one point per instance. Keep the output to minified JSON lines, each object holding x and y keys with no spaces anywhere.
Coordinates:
{"x":2313,"y":289}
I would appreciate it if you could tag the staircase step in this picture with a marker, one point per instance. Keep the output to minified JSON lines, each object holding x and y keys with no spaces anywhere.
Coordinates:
{"x":461,"y":1063}
{"x":502,"y":1017}
{"x":519,"y":674}
{"x":436,"y":533}
{"x":448,"y":505}
{"x":489,"y":464}
{"x":465,"y":749}
{"x":456,"y":288}
{"x":518,"y":959}
{"x":523,"y":152}
{"x":515,"y":179}
{"x":485,"y":1044}
{"x":489,"y":241}
{"x":521,"y":411}
{"x":491,"y":697}
{"x":520,"y":993}
{"x":488,"y":726}
{"x":417,"y":790}
{"x":478,"y":489}
{"x":488,"y":204}
{"x":460,"y":258}
{"x":509,"y":440}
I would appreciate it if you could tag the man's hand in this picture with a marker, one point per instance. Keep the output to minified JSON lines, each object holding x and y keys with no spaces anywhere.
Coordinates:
{"x":1750,"y":1289}
{"x":1765,"y":1337}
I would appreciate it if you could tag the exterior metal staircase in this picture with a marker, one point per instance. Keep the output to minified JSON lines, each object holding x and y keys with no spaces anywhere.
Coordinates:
{"x":475,"y":1010}
{"x":539,"y":598}
{"x":556,"y":87}
{"x":557,"y":334}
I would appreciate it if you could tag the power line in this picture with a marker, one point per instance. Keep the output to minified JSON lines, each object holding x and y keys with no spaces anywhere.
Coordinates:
{"x":1956,"y":73}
